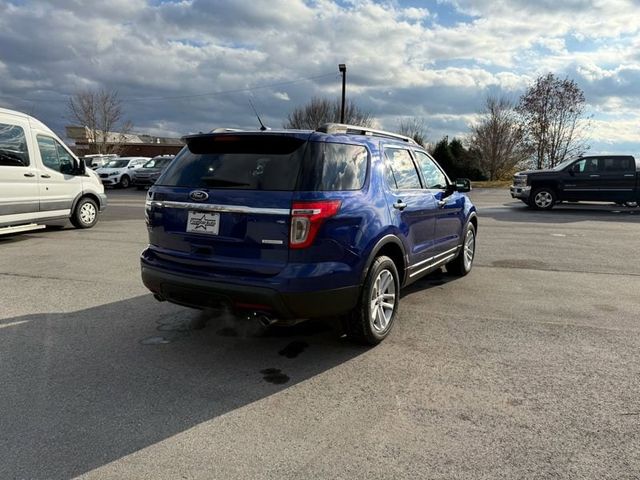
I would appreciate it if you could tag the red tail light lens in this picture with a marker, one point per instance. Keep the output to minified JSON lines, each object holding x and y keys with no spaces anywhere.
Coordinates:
{"x":307,"y":218}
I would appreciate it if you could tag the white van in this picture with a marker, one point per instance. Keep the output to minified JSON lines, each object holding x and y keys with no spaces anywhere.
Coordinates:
{"x":41,"y":181}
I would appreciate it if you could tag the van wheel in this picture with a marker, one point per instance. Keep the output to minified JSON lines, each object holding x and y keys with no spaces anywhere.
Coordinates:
{"x":371,"y":321}
{"x":461,"y":265}
{"x":125,"y":182}
{"x":85,"y":214}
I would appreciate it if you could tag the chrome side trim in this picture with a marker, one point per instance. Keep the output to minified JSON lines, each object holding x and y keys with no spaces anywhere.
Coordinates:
{"x":219,"y":208}
{"x":434,"y":261}
{"x":455,"y":249}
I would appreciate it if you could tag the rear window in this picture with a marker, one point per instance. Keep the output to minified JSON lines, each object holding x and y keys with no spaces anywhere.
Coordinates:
{"x":267,"y":162}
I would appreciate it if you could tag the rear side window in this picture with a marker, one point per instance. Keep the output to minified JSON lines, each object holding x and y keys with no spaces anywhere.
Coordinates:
{"x":246,"y":162}
{"x":334,"y":166}
{"x":13,"y":146}
{"x":617,"y":164}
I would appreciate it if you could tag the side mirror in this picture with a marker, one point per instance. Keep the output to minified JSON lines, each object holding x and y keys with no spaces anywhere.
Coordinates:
{"x":462,"y":185}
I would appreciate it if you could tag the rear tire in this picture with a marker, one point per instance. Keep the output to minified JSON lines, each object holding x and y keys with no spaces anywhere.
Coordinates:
{"x":371,"y":321}
{"x":542,"y":199}
{"x":85,"y":215}
{"x":461,"y":265}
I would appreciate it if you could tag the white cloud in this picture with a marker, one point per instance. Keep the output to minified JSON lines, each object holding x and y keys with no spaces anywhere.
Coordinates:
{"x":282,"y":96}
{"x":193,"y":59}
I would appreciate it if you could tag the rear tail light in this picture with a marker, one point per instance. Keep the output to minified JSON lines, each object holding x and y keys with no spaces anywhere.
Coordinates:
{"x":307,"y":218}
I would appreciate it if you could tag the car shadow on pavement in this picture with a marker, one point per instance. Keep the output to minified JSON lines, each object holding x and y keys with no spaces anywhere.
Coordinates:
{"x":82,"y":389}
{"x":563,"y":213}
{"x":434,"y":279}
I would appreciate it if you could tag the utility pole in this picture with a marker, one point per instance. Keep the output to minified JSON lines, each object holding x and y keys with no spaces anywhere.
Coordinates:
{"x":343,"y":69}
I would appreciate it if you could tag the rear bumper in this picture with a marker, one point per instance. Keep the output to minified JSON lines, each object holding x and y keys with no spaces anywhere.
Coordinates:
{"x":195,"y":292}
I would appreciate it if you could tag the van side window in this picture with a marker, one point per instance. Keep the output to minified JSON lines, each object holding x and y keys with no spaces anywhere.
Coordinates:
{"x":54,"y":156}
{"x":13,"y":146}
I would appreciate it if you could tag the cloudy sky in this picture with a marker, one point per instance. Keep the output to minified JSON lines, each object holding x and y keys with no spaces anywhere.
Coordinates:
{"x":193,"y":65}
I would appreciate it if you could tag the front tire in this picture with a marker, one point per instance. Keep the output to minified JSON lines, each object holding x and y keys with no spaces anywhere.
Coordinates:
{"x":371,"y":321}
{"x":461,"y":265}
{"x":543,"y":199}
{"x":85,"y":215}
{"x":125,"y":182}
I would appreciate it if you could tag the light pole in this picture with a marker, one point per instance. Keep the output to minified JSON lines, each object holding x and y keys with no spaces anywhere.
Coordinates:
{"x":343,"y":69}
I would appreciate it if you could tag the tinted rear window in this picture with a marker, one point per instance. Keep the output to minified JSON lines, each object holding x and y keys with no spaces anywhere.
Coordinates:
{"x":239,"y":162}
{"x":267,"y":162}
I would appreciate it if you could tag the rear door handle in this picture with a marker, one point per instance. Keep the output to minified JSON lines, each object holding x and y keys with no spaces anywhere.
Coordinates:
{"x":29,"y":174}
{"x":399,"y":205}
{"x":44,"y":175}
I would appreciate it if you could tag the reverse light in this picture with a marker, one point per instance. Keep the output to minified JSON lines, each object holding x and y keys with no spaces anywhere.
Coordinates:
{"x":307,"y":218}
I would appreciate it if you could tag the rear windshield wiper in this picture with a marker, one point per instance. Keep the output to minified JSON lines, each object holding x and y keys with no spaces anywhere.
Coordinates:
{"x":221,"y":182}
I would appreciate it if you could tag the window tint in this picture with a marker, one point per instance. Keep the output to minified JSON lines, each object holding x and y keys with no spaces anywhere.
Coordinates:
{"x":402,"y":174}
{"x":334,"y":166}
{"x":55,"y":156}
{"x":261,"y":162}
{"x":617,"y":164}
{"x":432,"y":175}
{"x":13,"y":146}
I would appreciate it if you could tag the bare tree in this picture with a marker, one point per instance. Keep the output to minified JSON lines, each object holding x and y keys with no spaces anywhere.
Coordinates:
{"x":322,"y":110}
{"x":553,"y":112}
{"x":100,"y":111}
{"x":499,"y":139}
{"x":413,"y":127}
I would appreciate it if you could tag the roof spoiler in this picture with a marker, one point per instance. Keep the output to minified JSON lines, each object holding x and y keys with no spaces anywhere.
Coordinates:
{"x":333,"y":128}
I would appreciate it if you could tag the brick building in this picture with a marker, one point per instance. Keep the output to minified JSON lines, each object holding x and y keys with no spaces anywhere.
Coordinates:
{"x":126,"y":145}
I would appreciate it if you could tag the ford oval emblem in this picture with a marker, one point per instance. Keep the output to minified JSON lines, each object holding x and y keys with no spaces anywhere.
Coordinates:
{"x":199,"y":195}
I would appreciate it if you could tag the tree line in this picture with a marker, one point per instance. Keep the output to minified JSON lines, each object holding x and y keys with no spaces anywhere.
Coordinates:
{"x":545,"y":127}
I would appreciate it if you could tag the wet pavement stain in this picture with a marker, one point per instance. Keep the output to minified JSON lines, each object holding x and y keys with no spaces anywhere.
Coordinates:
{"x":155,"y":341}
{"x":227,"y":332}
{"x":293,"y":349}
{"x":274,"y":375}
{"x":519,"y":263}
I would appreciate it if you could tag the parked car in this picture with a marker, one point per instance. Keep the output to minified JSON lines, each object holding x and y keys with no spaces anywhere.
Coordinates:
{"x":147,"y":174}
{"x":118,"y":172}
{"x":95,"y":161}
{"x":289,"y":225}
{"x":601,"y":178}
{"x":41,"y":181}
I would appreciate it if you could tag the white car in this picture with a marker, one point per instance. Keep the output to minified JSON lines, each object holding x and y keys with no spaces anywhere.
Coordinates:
{"x":119,"y":171}
{"x":41,"y":181}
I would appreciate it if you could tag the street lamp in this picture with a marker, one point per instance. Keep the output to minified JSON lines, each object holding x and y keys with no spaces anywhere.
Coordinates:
{"x":343,"y":69}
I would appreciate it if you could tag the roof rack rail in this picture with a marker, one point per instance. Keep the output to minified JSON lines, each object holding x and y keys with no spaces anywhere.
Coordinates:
{"x":224,"y":129}
{"x":358,"y":130}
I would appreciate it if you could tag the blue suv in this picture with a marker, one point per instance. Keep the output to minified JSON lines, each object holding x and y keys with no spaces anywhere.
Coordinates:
{"x":292,"y":224}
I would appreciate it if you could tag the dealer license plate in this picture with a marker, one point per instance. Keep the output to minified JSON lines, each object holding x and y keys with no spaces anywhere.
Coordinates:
{"x":203,"y":222}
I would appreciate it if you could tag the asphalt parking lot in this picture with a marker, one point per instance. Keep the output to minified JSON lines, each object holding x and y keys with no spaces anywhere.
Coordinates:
{"x":526,"y":368}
